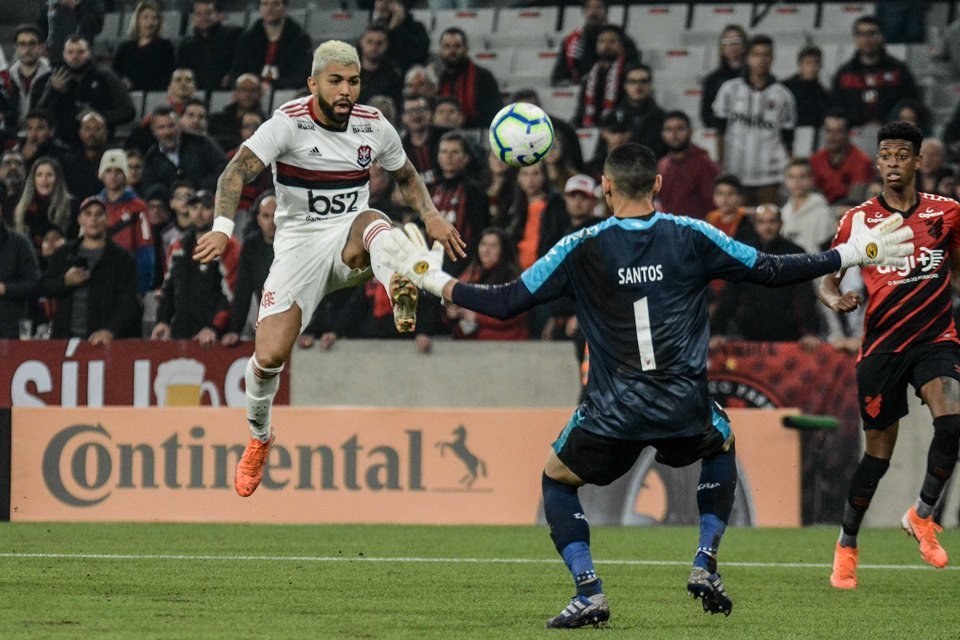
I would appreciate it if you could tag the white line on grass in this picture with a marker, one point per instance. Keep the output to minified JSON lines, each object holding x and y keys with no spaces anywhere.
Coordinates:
{"x":650,"y":563}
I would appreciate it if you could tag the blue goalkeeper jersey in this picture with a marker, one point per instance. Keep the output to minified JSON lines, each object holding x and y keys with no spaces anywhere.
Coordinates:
{"x":640,"y":286}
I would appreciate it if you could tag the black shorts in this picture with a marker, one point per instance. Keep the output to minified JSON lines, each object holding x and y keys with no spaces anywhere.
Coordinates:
{"x":882,"y":379}
{"x":600,"y":460}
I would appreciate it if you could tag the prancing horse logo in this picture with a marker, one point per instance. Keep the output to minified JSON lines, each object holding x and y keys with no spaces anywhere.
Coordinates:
{"x":475,"y":466}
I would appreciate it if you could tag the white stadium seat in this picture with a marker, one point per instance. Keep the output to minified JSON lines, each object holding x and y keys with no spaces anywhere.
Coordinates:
{"x":787,"y":18}
{"x":712,"y":18}
{"x":534,"y":62}
{"x":687,"y":60}
{"x":499,"y":62}
{"x":531,"y":20}
{"x":656,"y":25}
{"x":838,"y":17}
{"x":560,"y":102}
{"x":476,"y":23}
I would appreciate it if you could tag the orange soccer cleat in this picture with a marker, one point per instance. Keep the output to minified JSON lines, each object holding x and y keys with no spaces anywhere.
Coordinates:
{"x":844,"y":574}
{"x":250,"y":468}
{"x":925,"y":530}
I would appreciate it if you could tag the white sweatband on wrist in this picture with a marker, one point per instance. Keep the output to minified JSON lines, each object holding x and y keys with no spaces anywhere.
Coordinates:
{"x":848,"y":255}
{"x":435,"y":281}
{"x":224,"y":225}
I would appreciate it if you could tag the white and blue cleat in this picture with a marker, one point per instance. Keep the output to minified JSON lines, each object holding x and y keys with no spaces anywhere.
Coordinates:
{"x":582,"y":610}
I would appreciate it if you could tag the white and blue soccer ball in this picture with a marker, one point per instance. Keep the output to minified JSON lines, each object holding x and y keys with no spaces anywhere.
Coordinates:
{"x":521,"y":134}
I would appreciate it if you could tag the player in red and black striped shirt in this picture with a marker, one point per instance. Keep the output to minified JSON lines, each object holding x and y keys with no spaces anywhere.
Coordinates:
{"x":909,"y":337}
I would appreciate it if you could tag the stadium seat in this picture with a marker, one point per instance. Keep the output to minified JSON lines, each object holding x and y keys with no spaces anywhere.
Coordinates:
{"x":499,"y":62}
{"x":712,"y":18}
{"x":616,"y":14}
{"x":112,"y":24}
{"x":706,"y":139}
{"x":678,"y":91}
{"x":342,"y":25}
{"x":676,"y":60}
{"x":136,"y":97}
{"x":173,"y":24}
{"x":476,"y":23}
{"x":219,"y":100}
{"x":785,"y":60}
{"x":588,"y":141}
{"x":516,"y":41}
{"x":531,"y":21}
{"x":838,"y":17}
{"x":300,"y":17}
{"x":804,"y":139}
{"x":152,"y":100}
{"x":656,"y":25}
{"x":278,"y":98}
{"x":235,"y":19}
{"x":560,"y":102}
{"x":787,"y":18}
{"x":534,"y":62}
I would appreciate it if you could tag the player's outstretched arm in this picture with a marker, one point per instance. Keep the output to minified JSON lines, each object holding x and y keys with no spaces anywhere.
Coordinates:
{"x":829,"y":294}
{"x":418,"y":198}
{"x":243,"y":168}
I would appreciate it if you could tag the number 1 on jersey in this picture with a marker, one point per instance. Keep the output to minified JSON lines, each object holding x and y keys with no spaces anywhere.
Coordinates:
{"x":641,"y":317}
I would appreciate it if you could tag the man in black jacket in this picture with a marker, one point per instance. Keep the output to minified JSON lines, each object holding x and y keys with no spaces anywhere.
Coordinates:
{"x":178,"y":155}
{"x":471,"y":85}
{"x":94,"y":283}
{"x":79,"y":85}
{"x":274,"y":48}
{"x":210,"y":49}
{"x":19,"y":274}
{"x":256,"y":256}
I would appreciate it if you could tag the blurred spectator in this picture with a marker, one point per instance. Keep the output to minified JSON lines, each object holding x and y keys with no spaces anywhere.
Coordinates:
{"x":256,"y":256}
{"x":13,"y":177}
{"x":249,"y":123}
{"x":420,"y":81}
{"x":457,"y":197}
{"x":387,"y":107}
{"x":194,"y":117}
{"x":501,"y":190}
{"x":144,"y":61}
{"x":781,"y":314}
{"x":811,"y":96}
{"x":931,"y":165}
{"x":538,"y":217}
{"x":916,"y":113}
{"x":162,"y":229}
{"x":947,"y":183}
{"x":867,"y":86}
{"x":420,"y":138}
{"x":180,"y":155}
{"x":81,"y":167}
{"x":78,"y":85}
{"x":614,"y":132}
{"x":578,"y":49}
{"x":756,"y":116}
{"x":602,"y":87}
{"x":195,"y":299}
{"x":181,"y":192}
{"x":45,"y":203}
{"x":135,"y":171}
{"x":563,"y":130}
{"x":29,"y":66}
{"x":559,"y":168}
{"x":378,"y":75}
{"x":903,"y":21}
{"x":580,"y":200}
{"x":807,"y":217}
{"x":274,"y":48}
{"x":641,"y":110}
{"x":473,"y":86}
{"x":729,"y":215}
{"x":840,"y":170}
{"x":687,"y":170}
{"x":409,"y":41}
{"x":19,"y":274}
{"x":93,"y":283}
{"x":209,"y":50}
{"x":225,"y":126}
{"x":733,"y":47}
{"x":127,"y":222}
{"x":495,"y":263}
{"x":40,"y":139}
{"x":447,"y":113}
{"x":57,"y":20}
{"x":181,"y":89}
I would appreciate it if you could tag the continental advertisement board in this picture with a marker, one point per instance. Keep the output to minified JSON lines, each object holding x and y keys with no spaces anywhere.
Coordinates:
{"x":357,"y":465}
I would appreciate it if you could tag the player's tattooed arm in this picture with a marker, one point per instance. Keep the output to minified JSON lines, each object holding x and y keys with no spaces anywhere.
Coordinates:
{"x":418,"y":198}
{"x":243,"y":168}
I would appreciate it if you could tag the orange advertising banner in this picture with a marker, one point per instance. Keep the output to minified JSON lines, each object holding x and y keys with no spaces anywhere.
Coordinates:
{"x":344,"y":465}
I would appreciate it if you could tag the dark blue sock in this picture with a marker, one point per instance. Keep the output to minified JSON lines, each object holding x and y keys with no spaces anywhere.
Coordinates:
{"x":570,"y":533}
{"x":715,"y":494}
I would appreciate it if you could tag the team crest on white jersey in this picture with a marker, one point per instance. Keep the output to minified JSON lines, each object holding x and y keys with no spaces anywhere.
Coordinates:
{"x":364,"y":156}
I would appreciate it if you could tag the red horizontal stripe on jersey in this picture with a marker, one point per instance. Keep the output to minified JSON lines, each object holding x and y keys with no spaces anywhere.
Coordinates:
{"x":293,"y":171}
{"x":357,"y":115}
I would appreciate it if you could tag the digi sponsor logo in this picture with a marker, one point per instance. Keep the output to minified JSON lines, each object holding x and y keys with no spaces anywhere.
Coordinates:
{"x":928,"y":260}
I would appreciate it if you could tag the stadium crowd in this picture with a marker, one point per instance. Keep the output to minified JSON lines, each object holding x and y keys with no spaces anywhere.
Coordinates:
{"x":104,"y":198}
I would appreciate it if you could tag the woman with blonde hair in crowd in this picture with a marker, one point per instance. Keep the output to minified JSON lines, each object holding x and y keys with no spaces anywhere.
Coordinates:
{"x":45,"y":204}
{"x":145,"y":60}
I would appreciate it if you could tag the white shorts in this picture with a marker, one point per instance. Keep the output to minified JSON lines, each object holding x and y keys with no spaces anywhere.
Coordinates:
{"x":306,"y":267}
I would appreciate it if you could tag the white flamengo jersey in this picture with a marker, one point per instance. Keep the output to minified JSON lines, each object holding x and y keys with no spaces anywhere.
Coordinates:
{"x":321,"y":174}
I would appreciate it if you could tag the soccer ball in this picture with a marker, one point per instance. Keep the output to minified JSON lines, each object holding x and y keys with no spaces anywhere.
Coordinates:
{"x":521,"y":134}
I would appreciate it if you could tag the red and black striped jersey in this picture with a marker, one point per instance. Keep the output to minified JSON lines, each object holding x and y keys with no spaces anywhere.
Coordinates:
{"x":910,"y":305}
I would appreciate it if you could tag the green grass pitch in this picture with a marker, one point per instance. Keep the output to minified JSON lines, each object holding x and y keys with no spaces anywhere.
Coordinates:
{"x":96,"y":581}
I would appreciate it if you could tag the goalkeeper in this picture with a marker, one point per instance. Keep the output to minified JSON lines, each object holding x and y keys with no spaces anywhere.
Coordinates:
{"x":639,"y":281}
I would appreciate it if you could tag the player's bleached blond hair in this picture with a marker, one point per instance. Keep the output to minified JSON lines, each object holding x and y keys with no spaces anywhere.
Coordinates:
{"x":334,"y":51}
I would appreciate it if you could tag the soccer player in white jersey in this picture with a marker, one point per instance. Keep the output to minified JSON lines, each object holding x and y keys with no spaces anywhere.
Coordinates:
{"x":320,"y":148}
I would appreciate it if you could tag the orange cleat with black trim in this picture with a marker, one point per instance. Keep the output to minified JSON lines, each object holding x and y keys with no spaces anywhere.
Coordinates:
{"x":844,"y":574}
{"x":925,"y":530}
{"x":250,"y":468}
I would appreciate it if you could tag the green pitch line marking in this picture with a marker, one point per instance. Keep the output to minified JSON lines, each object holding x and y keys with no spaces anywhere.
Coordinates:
{"x":244,"y":558}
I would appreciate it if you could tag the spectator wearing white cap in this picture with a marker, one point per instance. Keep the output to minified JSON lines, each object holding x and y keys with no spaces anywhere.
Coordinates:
{"x":128,"y":225}
{"x":580,"y":198}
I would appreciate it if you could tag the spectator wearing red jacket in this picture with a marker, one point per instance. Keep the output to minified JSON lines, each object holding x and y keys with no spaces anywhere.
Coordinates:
{"x":128,"y":225}
{"x":841,"y":170}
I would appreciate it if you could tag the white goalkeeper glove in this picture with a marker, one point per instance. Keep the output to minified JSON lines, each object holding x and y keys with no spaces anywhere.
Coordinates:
{"x":407,"y":254}
{"x":886,"y":244}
